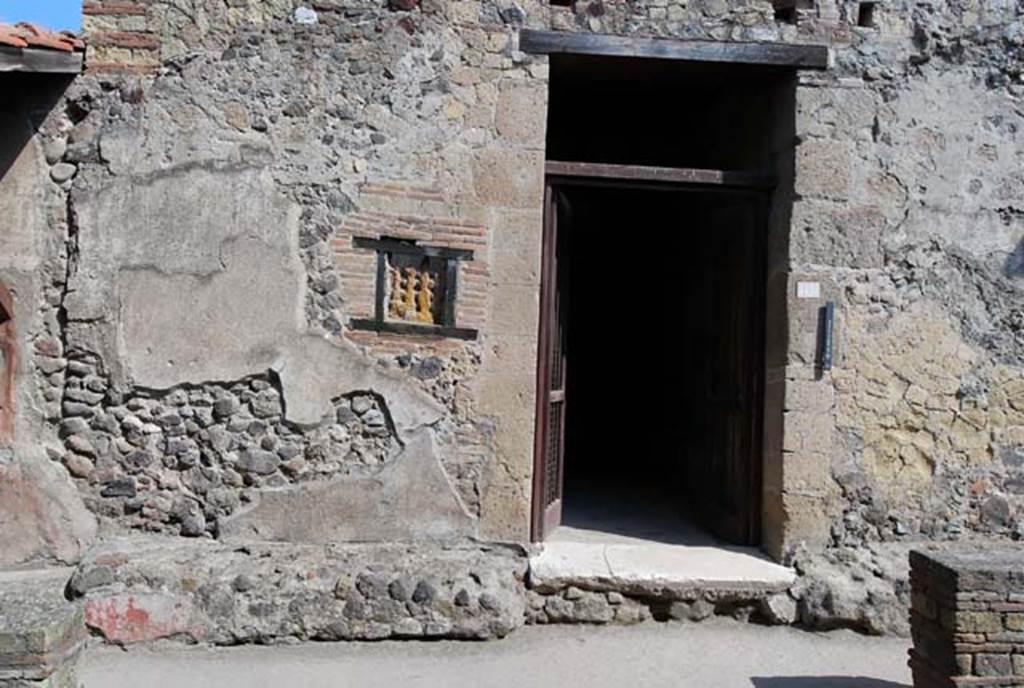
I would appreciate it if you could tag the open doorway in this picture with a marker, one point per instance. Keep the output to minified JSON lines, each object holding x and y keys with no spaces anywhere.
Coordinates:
{"x":651,"y":376}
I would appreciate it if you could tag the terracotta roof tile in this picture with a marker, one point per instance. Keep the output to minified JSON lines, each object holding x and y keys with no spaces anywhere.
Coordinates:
{"x":25,"y":35}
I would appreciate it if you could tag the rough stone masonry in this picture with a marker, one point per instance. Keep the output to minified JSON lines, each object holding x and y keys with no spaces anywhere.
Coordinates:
{"x":179,"y":241}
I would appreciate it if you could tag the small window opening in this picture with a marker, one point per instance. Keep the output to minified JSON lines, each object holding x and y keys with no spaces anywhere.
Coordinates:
{"x":416,"y":288}
{"x":866,"y":14}
{"x":785,"y":11}
{"x":785,"y":15}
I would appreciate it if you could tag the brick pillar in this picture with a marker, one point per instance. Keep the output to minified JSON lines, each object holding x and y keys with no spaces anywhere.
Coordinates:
{"x":967,"y":617}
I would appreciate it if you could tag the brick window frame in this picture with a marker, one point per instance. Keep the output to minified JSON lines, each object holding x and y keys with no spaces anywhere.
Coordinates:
{"x":448,"y":261}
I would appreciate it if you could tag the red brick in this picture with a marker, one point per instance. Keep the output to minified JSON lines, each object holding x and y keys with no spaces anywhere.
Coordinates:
{"x":354,"y":268}
{"x":126,"y":39}
{"x":401,"y":191}
{"x":120,"y":68}
{"x":456,"y":222}
{"x":122,"y":8}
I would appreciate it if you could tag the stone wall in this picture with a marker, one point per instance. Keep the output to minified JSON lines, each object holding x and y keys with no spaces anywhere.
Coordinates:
{"x":342,"y":121}
{"x":902,"y":207}
{"x":180,"y":461}
{"x":210,"y":172}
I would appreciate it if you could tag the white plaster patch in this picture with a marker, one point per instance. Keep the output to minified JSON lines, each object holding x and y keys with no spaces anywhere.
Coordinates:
{"x":305,"y":15}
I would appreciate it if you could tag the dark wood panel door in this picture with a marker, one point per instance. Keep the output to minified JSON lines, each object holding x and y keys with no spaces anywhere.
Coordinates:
{"x":725,"y":483}
{"x":549,"y":464}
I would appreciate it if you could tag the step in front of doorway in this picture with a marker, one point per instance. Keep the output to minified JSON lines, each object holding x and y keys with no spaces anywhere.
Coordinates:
{"x":657,"y":569}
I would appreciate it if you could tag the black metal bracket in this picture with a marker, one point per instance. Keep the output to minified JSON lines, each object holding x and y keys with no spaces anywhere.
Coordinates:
{"x":373,"y":325}
{"x":826,"y":328}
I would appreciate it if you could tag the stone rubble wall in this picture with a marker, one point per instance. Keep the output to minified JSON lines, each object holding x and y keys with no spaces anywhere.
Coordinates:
{"x":239,"y":97}
{"x":181,"y":460}
{"x":866,"y":589}
{"x":263,"y":593}
{"x":575,"y":605}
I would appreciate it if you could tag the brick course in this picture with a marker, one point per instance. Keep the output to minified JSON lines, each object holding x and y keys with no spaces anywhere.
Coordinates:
{"x":119,"y":38}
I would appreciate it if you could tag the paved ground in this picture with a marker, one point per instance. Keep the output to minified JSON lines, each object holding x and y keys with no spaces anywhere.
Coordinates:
{"x":714,"y":654}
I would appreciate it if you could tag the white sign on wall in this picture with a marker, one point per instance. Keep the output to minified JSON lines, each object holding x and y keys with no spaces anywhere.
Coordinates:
{"x":808,"y":290}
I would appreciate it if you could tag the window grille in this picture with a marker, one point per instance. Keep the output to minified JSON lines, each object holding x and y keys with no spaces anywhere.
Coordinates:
{"x":416,"y":289}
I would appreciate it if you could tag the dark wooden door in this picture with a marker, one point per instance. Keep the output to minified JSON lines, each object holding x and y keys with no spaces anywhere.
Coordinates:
{"x":549,"y":465}
{"x":725,"y":477}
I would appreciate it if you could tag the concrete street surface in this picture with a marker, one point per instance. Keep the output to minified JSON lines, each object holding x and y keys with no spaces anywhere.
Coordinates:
{"x":713,"y":654}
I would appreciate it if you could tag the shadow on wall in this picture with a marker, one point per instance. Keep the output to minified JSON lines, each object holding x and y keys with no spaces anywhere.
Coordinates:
{"x":1014,"y":266}
{"x":38,"y":94}
{"x":8,"y":364}
{"x":31,"y":98}
{"x":823,"y":682}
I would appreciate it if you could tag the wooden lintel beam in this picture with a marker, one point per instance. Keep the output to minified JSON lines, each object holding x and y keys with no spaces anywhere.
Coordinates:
{"x":793,"y":4}
{"x":667,"y":175}
{"x":397,"y":246}
{"x":374,"y":325}
{"x":39,"y":61}
{"x":769,"y":54}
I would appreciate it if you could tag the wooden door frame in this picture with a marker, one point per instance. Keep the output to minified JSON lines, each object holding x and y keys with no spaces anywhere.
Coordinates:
{"x":548,"y":288}
{"x":562,"y":174}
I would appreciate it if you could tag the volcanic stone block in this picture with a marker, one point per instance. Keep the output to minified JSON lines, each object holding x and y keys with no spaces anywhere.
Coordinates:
{"x":41,"y":633}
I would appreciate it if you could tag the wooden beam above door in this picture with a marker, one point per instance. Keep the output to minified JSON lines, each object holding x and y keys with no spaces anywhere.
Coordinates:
{"x":736,"y":52}
{"x":647,"y":173}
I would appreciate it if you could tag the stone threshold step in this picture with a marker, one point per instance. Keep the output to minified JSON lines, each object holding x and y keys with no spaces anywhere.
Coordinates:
{"x":659,"y":570}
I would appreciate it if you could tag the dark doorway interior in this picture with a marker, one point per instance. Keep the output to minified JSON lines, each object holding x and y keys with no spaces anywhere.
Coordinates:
{"x":662,"y":291}
{"x":659,"y":318}
{"x":635,"y":111}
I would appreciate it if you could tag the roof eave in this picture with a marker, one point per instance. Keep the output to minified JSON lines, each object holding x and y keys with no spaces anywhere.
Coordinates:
{"x":37,"y":60}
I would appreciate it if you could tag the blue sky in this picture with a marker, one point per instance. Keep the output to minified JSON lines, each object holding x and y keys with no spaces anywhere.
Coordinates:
{"x":53,"y":14}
